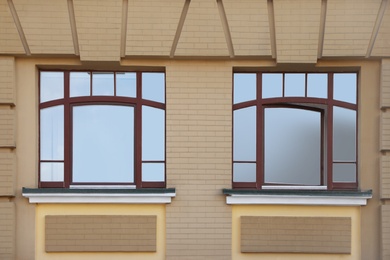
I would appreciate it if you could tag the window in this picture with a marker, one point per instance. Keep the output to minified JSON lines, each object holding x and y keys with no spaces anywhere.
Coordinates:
{"x":295,"y":129}
{"x":102,"y":128}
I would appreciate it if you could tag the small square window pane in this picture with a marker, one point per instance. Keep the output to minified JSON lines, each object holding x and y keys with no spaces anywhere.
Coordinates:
{"x":52,"y":133}
{"x":272,"y":85}
{"x":153,"y":86}
{"x":103,"y":84}
{"x":52,"y":171}
{"x":344,"y":172}
{"x":126,"y":84}
{"x":244,"y":134}
{"x":345,"y":87}
{"x":80,"y":84}
{"x":317,"y":85}
{"x":344,"y":134}
{"x":153,"y":172}
{"x":294,"y":85}
{"x":153,"y":133}
{"x":52,"y":86}
{"x":244,"y":172}
{"x":244,"y":87}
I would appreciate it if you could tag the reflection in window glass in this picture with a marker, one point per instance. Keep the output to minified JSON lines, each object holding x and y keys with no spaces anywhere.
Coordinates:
{"x":80,"y":84}
{"x":344,"y":134}
{"x":103,"y":84}
{"x":244,"y":131}
{"x":244,"y":172}
{"x":272,"y":85}
{"x":153,"y":133}
{"x":103,"y":144}
{"x":317,"y":85}
{"x":292,"y":146}
{"x":244,"y":87}
{"x":153,"y":172}
{"x":52,"y":133}
{"x":126,"y":84}
{"x":153,"y":86}
{"x":52,"y":86}
{"x":344,"y":172}
{"x":294,"y":85}
{"x":52,"y":171}
{"x":345,"y":87}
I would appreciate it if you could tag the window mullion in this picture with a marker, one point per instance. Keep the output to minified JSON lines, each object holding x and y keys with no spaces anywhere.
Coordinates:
{"x":329,"y":130}
{"x":67,"y":133}
{"x":260,"y":134}
{"x":138,"y":133}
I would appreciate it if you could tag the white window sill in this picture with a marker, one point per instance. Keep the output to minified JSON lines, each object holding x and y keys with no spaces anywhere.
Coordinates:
{"x":112,"y":196}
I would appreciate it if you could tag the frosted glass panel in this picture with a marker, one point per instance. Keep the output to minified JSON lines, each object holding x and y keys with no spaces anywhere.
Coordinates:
{"x":126,"y":84}
{"x":317,"y":85}
{"x":153,"y":172}
{"x":103,"y":143}
{"x":80,"y":84}
{"x":52,"y":171}
{"x":244,"y":87}
{"x":153,"y":86}
{"x":345,"y":87}
{"x":52,"y":86}
{"x":294,"y":85}
{"x":244,"y":172}
{"x":272,"y":85}
{"x":344,"y":134}
{"x":344,"y":172}
{"x":52,"y":133}
{"x":103,"y":84}
{"x":292,"y":146}
{"x":244,"y":134}
{"x":153,"y":133}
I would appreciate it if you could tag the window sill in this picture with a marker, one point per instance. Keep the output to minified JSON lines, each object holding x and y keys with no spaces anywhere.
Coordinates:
{"x":297,"y":197}
{"x":116,"y":196}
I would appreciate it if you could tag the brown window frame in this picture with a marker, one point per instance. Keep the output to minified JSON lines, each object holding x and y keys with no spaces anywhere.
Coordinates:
{"x":70,"y":102}
{"x":303,"y":102}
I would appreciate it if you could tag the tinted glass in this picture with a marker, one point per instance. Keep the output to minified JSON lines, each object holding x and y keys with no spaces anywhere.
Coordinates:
{"x":80,"y":84}
{"x":153,"y":86}
{"x":52,"y":171}
{"x":103,"y":84}
{"x":153,"y":172}
{"x":294,"y":85}
{"x":344,"y":172}
{"x":344,"y":134}
{"x":244,"y":134}
{"x":272,"y":85}
{"x":52,"y":133}
{"x":153,"y":133}
{"x":103,"y":143}
{"x":345,"y":87}
{"x":244,"y":172}
{"x":126,"y":84}
{"x":52,"y":86}
{"x":317,"y":85}
{"x":244,"y":87}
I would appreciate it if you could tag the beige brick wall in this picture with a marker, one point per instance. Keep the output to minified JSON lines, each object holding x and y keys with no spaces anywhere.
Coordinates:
{"x":100,"y":233}
{"x":381,"y":46}
{"x":199,"y":159}
{"x":7,"y":230}
{"x":7,"y":80}
{"x":295,"y":234}
{"x":7,"y":127}
{"x":385,"y":231}
{"x":385,"y":83}
{"x":384,"y":131}
{"x":7,"y":172}
{"x":9,"y":37}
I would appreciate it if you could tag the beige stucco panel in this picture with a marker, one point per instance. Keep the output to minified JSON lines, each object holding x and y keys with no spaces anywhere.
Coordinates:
{"x":382,"y":41}
{"x":202,"y":33}
{"x":9,"y":37}
{"x":249,"y":27}
{"x":385,"y":83}
{"x":7,"y":230}
{"x":7,"y":80}
{"x":46,"y":25}
{"x":348,"y":27}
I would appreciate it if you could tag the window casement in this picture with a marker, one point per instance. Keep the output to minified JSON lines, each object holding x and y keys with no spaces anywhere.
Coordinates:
{"x":103,"y":129}
{"x":295,"y":130}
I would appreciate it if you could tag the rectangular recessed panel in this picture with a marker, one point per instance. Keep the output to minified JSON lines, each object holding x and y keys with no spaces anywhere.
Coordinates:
{"x":385,"y":231}
{"x":295,"y":235}
{"x":95,"y":233}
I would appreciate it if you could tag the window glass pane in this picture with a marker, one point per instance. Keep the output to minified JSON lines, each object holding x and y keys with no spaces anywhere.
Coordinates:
{"x":244,"y":172}
{"x":52,"y":133}
{"x":103,"y":143}
{"x":317,"y":85}
{"x":244,"y":134}
{"x":345,"y":87}
{"x":153,"y":172}
{"x":52,"y":86}
{"x":344,"y":134}
{"x":52,"y":171}
{"x":272,"y":85}
{"x":344,"y":172}
{"x":292,"y":146}
{"x":294,"y":85}
{"x":80,"y":84}
{"x":244,"y":87}
{"x":103,"y":84}
{"x":126,"y":84}
{"x":153,"y":133}
{"x":153,"y":86}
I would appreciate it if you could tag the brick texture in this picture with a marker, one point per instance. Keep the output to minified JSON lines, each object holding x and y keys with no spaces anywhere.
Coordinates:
{"x":7,"y":172}
{"x":46,"y":25}
{"x":7,"y":230}
{"x":202,"y":33}
{"x":381,"y":46}
{"x":199,"y":160}
{"x":295,"y":235}
{"x":385,"y":130}
{"x":385,"y":231}
{"x":385,"y":84}
{"x":249,"y":27}
{"x":9,"y":38}
{"x":349,"y":26}
{"x":100,"y":233}
{"x":99,"y":29}
{"x":7,"y":80}
{"x":385,"y":176}
{"x":7,"y":127}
